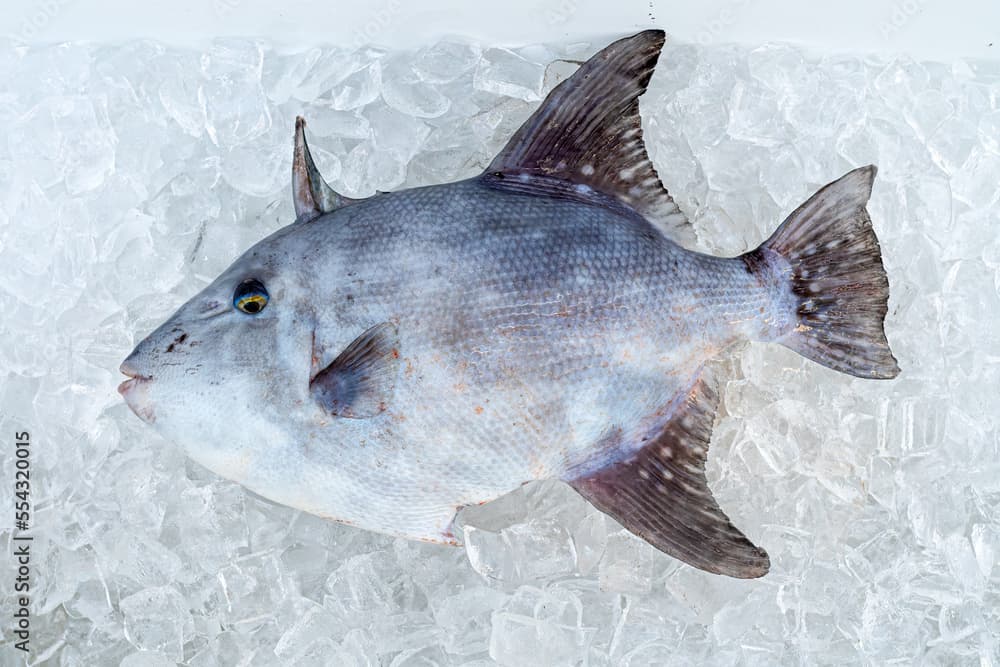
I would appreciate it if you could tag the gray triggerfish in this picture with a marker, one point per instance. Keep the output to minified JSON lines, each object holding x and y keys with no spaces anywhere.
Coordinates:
{"x":387,"y":361}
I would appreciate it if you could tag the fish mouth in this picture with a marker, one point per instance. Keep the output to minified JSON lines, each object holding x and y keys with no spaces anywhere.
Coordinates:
{"x":135,"y":392}
{"x":135,"y":378}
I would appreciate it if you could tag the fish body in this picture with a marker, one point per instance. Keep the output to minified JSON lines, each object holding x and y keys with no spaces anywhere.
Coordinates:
{"x":406,"y":355}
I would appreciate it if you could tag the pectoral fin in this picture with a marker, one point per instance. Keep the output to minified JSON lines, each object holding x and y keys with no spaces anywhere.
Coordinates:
{"x":360,"y":381}
{"x":660,"y":493}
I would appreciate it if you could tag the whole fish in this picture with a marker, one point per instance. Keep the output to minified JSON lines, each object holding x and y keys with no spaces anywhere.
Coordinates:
{"x":384,"y":362}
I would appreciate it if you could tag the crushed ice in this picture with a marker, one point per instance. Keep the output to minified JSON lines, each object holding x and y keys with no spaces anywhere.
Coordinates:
{"x":131,"y":175}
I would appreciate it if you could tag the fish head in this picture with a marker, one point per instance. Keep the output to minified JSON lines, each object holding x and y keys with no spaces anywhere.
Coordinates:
{"x":228,"y":375}
{"x":230,"y":369}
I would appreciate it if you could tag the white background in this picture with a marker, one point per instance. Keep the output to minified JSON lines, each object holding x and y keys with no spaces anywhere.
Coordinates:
{"x":925,"y":29}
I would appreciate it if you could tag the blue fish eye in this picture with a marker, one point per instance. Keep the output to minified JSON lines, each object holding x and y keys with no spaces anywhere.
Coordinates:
{"x":250,"y":296}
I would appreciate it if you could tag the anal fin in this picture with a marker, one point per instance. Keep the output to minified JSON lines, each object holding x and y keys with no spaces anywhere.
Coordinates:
{"x":660,"y":493}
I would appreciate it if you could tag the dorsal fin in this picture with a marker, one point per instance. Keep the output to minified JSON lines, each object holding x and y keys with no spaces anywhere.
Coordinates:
{"x":313,"y":197}
{"x":588,"y":132}
{"x":659,"y":492}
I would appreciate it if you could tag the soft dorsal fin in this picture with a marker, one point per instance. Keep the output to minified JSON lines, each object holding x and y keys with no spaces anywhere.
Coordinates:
{"x":313,"y":196}
{"x":588,"y":132}
{"x":660,"y":492}
{"x":360,"y":381}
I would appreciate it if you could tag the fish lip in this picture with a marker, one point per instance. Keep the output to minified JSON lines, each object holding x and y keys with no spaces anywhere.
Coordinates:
{"x":132,"y":382}
{"x":135,"y":379}
{"x":130,"y":371}
{"x":135,"y":391}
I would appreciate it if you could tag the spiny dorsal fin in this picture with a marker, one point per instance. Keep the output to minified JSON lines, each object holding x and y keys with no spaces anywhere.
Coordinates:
{"x":588,"y":132}
{"x":660,"y":493}
{"x":313,"y":197}
{"x":360,"y":381}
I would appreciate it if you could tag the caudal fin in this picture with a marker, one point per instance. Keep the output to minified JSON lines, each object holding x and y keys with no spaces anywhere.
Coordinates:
{"x":828,"y":251}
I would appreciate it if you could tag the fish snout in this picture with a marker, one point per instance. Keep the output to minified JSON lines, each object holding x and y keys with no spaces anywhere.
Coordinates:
{"x":136,"y":364}
{"x":130,"y":368}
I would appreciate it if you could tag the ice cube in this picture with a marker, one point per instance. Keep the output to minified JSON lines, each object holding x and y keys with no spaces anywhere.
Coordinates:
{"x":986,"y":544}
{"x":420,"y":657}
{"x":316,"y":624}
{"x":503,"y":72}
{"x":989,"y":131}
{"x":754,"y":116}
{"x":324,"y":652}
{"x":148,"y":659}
{"x":466,"y":617}
{"x":236,"y":108}
{"x":136,"y":558}
{"x":369,"y":586}
{"x":281,"y":74}
{"x":325,"y":121}
{"x":527,"y":535}
{"x":956,"y":622}
{"x":410,"y":630}
{"x":134,"y":482}
{"x":358,"y":89}
{"x":208,"y":525}
{"x":445,"y":61}
{"x":519,"y":639}
{"x":394,"y":131}
{"x":627,"y":564}
{"x":181,"y":92}
{"x":259,"y":171}
{"x":416,"y":98}
{"x":951,"y":142}
{"x":975,"y":182}
{"x":157,"y":619}
{"x":250,"y":588}
{"x":92,"y":600}
{"x":90,"y":156}
{"x":522,"y":552}
{"x":930,"y":109}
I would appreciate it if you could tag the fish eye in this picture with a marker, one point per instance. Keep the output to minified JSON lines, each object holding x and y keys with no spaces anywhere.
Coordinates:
{"x":250,"y":296}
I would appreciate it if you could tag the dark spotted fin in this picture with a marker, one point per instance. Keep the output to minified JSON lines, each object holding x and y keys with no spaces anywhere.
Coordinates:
{"x":360,"y":381}
{"x":312,"y":196}
{"x":588,"y":133}
{"x":660,"y":493}
{"x":827,"y":255}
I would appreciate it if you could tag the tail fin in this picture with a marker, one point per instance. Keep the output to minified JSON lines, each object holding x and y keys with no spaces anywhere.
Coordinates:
{"x":837,"y":280}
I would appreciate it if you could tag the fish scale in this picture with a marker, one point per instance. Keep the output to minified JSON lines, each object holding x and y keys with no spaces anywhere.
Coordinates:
{"x":385,"y":362}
